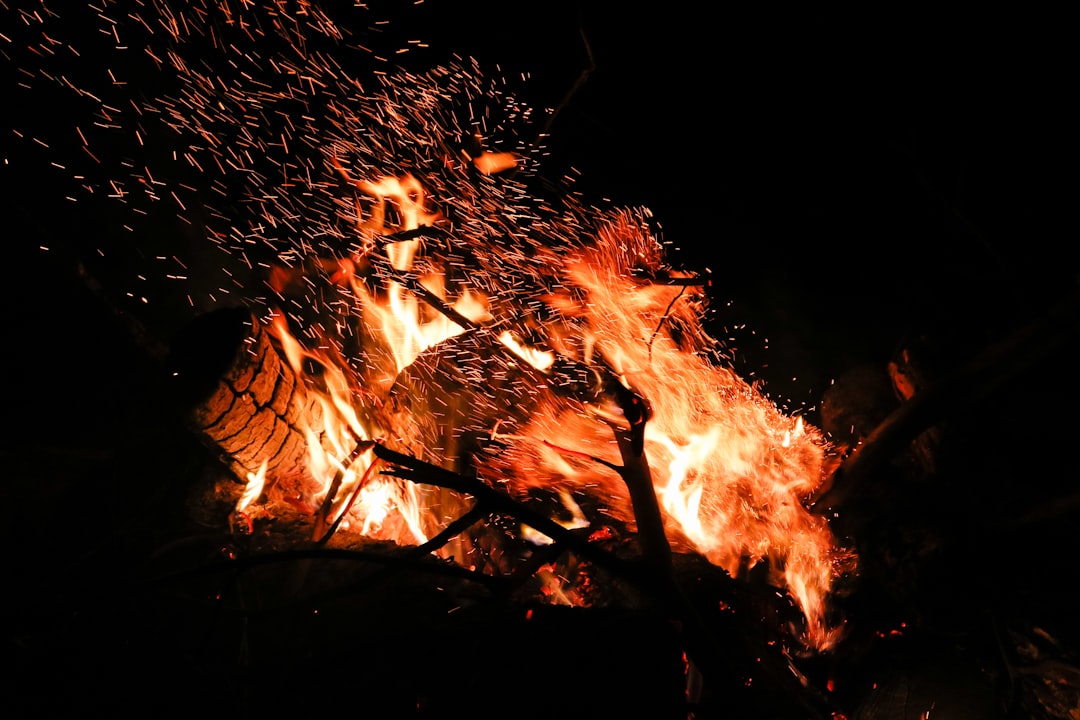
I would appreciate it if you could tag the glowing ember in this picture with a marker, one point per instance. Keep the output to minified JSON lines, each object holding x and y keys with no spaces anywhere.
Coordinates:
{"x":431,"y":298}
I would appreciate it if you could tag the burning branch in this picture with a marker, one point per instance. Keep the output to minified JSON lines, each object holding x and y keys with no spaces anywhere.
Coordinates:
{"x":637,"y":475}
{"x":324,"y":531}
{"x":489,"y":500}
{"x":635,"y":472}
{"x":654,"y":576}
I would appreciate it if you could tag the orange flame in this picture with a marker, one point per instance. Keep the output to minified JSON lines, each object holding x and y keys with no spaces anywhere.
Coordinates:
{"x":731,"y":471}
{"x":575,"y":305}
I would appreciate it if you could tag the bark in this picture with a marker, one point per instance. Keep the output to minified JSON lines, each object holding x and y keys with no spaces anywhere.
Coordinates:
{"x":239,"y":395}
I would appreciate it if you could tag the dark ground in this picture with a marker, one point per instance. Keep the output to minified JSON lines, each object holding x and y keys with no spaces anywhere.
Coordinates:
{"x":857,"y":184}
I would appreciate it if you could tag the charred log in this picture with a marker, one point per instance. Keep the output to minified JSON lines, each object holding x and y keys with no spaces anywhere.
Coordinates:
{"x":239,"y":396}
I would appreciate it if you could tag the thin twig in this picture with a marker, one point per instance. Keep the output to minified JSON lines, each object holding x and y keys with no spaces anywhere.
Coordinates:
{"x":413,"y":283}
{"x":347,"y":506}
{"x":426,"y":473}
{"x":664,"y":317}
{"x":583,"y":455}
{"x":454,"y":528}
{"x":580,"y":81}
{"x":321,"y":533}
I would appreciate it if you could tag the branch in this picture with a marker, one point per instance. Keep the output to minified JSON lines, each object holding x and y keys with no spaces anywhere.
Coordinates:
{"x":495,"y":501}
{"x":636,"y":474}
{"x":582,"y":78}
{"x":323,"y":532}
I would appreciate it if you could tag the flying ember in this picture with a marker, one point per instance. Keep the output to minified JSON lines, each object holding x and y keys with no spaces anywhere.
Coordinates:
{"x":431,"y":296}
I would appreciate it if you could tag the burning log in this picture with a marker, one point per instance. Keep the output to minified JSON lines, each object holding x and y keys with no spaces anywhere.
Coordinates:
{"x":239,"y":396}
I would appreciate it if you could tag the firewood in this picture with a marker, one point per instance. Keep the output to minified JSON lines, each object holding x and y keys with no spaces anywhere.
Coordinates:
{"x":239,"y":396}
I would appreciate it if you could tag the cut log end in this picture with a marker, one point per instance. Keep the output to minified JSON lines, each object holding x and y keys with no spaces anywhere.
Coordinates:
{"x":239,"y":396}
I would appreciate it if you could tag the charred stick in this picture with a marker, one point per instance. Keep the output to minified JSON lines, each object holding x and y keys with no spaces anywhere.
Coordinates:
{"x":702,"y":644}
{"x":454,"y":528}
{"x":537,"y":559}
{"x":423,"y":472}
{"x":636,"y":474}
{"x":667,"y":312}
{"x":413,"y":283}
{"x":418,"y":552}
{"x":424,"y":232}
{"x":694,"y":281}
{"x":348,"y":505}
{"x":578,"y":453}
{"x":662,"y":278}
{"x":322,"y":530}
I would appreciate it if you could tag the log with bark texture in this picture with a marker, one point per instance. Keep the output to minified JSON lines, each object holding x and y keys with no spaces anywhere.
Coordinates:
{"x":240,"y":396}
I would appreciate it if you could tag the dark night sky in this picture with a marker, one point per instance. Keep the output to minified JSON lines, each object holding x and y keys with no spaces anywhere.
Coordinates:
{"x":848,"y":178}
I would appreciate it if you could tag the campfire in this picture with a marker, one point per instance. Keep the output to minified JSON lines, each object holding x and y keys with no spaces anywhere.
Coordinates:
{"x":586,"y":372}
{"x":439,"y":384}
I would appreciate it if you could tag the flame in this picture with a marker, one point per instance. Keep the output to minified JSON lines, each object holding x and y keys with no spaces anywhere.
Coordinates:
{"x":539,"y":359}
{"x":732,"y":472}
{"x":404,"y":268}
{"x":256,"y":481}
{"x":577,"y":520}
